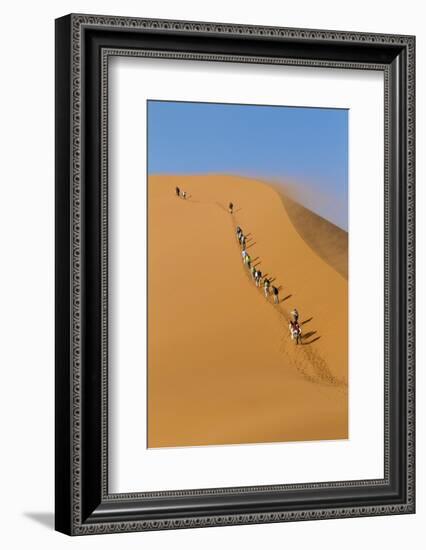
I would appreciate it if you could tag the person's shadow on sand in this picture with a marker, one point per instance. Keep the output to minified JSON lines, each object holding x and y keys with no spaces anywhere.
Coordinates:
{"x":311,"y":341}
{"x":306,"y":321}
{"x":305,"y":337}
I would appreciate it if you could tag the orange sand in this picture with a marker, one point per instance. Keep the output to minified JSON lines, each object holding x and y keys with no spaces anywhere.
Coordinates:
{"x":221,"y":366}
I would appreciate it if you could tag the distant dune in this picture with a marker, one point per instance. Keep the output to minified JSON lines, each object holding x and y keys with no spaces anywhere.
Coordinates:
{"x":221,"y":366}
{"x":326,"y":239}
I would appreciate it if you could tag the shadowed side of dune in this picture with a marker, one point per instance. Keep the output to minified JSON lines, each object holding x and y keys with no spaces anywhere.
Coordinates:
{"x":326,"y":239}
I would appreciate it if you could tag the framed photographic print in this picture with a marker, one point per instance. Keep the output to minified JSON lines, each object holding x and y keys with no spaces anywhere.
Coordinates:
{"x":234,"y":274}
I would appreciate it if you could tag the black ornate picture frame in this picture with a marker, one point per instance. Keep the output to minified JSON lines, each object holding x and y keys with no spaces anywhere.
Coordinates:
{"x":84,"y":43}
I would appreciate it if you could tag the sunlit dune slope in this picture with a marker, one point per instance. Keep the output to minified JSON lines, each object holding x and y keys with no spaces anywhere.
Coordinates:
{"x":221,"y":366}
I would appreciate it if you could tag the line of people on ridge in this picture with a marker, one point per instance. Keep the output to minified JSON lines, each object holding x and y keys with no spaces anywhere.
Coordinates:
{"x":261,"y":280}
{"x":256,"y":274}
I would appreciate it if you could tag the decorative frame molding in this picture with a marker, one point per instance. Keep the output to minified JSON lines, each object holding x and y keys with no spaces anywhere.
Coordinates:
{"x":83,"y":504}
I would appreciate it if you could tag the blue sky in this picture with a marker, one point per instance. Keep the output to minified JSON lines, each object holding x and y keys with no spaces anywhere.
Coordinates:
{"x":307,"y":147}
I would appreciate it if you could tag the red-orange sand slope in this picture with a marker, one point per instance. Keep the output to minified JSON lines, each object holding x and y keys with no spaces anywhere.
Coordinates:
{"x":221,"y":366}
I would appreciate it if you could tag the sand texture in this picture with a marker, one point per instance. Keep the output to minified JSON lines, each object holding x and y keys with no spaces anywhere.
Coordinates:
{"x":222,"y":368}
{"x":326,"y":239}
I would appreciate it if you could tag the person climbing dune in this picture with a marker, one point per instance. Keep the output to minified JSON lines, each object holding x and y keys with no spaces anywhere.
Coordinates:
{"x":258,"y":277}
{"x":231,"y":208}
{"x":266,"y":284}
{"x":177,"y":191}
{"x":295,"y":331}
{"x":275,"y":292}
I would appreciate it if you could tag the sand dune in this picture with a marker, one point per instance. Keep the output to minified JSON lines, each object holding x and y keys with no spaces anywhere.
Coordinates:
{"x":326,"y":239}
{"x":221,"y":366}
